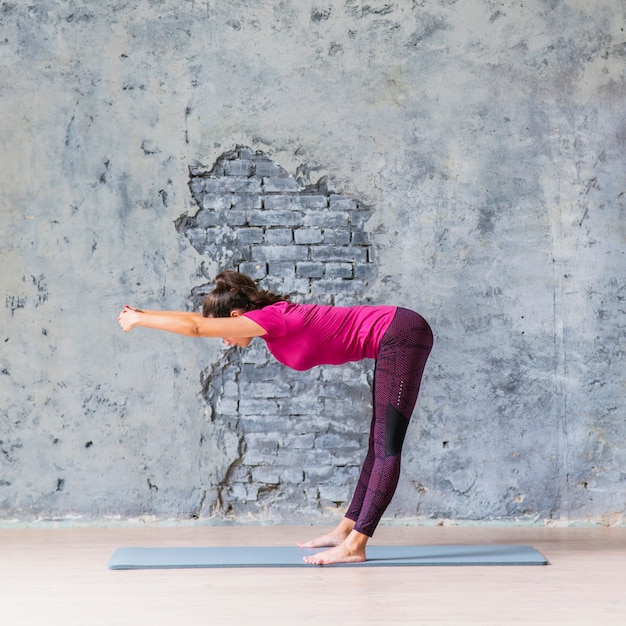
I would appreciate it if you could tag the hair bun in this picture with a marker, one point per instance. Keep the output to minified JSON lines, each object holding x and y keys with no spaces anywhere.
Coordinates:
{"x":221,"y":284}
{"x":234,"y":290}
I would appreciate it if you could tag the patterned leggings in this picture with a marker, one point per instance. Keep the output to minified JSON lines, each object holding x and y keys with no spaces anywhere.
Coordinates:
{"x":400,"y":363}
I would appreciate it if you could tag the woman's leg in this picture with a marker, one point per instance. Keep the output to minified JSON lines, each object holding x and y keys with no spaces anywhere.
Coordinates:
{"x":400,"y":365}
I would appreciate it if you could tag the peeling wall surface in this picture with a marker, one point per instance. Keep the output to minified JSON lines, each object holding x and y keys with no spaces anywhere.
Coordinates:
{"x":298,"y":435}
{"x":463,"y":159}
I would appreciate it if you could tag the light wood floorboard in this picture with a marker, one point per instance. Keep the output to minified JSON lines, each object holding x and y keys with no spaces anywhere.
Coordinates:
{"x":51,"y":577}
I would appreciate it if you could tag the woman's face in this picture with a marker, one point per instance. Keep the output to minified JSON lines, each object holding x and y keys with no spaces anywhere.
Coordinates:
{"x":242,"y":342}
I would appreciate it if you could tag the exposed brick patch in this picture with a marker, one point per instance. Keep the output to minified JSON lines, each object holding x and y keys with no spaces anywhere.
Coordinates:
{"x":302,"y":435}
{"x":252,"y":213}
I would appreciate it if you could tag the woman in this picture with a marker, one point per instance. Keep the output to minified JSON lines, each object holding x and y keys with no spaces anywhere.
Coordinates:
{"x":302,"y":336}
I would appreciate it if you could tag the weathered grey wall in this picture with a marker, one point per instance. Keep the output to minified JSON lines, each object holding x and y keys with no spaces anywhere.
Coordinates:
{"x":488,"y":139}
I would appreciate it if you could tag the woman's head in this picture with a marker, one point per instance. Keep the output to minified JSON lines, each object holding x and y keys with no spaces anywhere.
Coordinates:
{"x":236,"y":292}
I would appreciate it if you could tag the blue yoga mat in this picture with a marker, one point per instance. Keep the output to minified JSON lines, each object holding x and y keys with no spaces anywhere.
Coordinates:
{"x":282,"y":556}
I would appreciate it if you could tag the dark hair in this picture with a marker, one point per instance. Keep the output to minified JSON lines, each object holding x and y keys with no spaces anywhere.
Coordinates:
{"x":234,"y":290}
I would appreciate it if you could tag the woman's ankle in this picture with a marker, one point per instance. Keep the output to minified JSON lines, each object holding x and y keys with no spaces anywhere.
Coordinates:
{"x":356,"y":541}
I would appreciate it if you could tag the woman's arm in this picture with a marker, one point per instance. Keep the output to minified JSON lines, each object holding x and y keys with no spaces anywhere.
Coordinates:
{"x":189,"y":323}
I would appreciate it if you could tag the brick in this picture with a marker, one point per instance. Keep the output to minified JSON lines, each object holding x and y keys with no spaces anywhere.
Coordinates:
{"x":197,"y":238}
{"x":252,"y":424}
{"x":255,"y":270}
{"x":303,"y":383}
{"x":312,"y":423}
{"x":258,"y":457}
{"x":308,"y":235}
{"x":266,"y":389}
{"x":254,"y":406}
{"x":249,"y":235}
{"x":274,"y":184}
{"x":335,"y":440}
{"x":299,"y":406}
{"x":342,"y":203}
{"x":247,"y":153}
{"x":227,"y":406}
{"x":274,"y":218}
{"x":269,"y":441}
{"x":246,"y":201}
{"x":234,"y":217}
{"x":279,"y":253}
{"x":230,"y":388}
{"x":196,"y":185}
{"x":315,"y":474}
{"x":359,"y":238}
{"x":347,"y":299}
{"x":265,"y":476}
{"x":199,"y":170}
{"x":336,"y":237}
{"x":310,"y":493}
{"x":204,"y":218}
{"x":348,"y":469}
{"x":316,"y":459}
{"x":279,"y":270}
{"x":299,"y":442}
{"x":293,"y":285}
{"x":358,"y":219}
{"x":337,"y":286}
{"x":337,"y":379}
{"x":326,"y":219}
{"x":291,"y":475}
{"x":364,"y":271}
{"x":241,"y":492}
{"x":309,"y":269}
{"x":338,"y":270}
{"x":283,"y":202}
{"x":314,"y":201}
{"x":239,"y":167}
{"x":220,"y":217}
{"x":338,"y":253}
{"x":271,"y":371}
{"x":215,"y":235}
{"x":215,"y":201}
{"x":279,"y":236}
{"x":321,"y":298}
{"x":232,"y":184}
{"x":267,"y":169}
{"x":334,"y":493}
{"x":344,"y":409}
{"x":256,"y":353}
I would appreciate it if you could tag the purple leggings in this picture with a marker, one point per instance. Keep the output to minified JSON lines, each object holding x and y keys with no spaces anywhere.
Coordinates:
{"x":400,"y":363}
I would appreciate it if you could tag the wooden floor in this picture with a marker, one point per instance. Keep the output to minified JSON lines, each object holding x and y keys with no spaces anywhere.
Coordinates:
{"x":52,"y":577}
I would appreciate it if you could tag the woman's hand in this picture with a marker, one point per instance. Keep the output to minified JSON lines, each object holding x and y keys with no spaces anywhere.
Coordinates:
{"x":128,"y":318}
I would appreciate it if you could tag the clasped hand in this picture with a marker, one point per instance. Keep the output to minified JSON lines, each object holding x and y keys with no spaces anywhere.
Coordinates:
{"x":128,"y":318}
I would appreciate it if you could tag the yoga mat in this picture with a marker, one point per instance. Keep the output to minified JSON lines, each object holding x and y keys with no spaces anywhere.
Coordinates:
{"x":282,"y":556}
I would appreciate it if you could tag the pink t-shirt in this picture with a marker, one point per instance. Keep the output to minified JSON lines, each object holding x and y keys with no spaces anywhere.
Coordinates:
{"x":305,"y":335}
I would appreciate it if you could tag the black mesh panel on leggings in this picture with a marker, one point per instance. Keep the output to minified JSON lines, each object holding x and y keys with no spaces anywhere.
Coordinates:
{"x":400,"y":363}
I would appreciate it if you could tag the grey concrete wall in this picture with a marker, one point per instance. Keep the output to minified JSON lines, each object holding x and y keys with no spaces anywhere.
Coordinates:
{"x":488,"y":140}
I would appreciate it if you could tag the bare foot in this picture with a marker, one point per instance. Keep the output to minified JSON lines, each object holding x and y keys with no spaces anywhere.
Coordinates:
{"x":338,"y":554}
{"x":333,"y":538}
{"x":351,"y":550}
